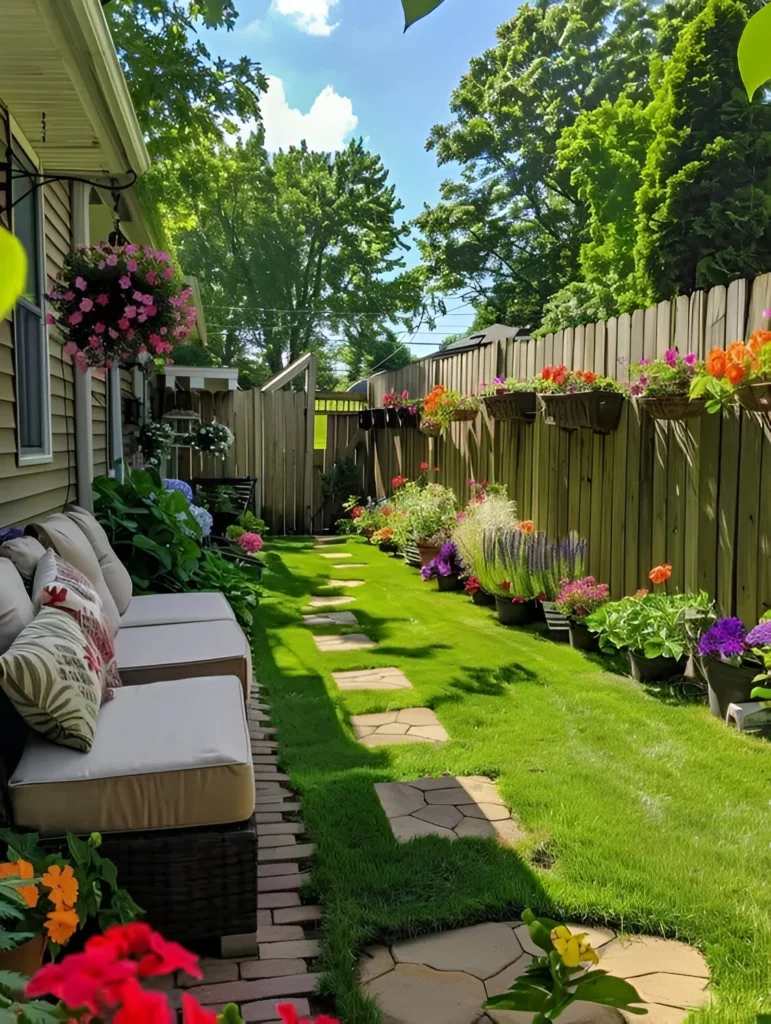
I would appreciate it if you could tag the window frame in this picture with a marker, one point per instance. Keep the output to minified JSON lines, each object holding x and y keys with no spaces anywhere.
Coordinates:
{"x":20,"y":155}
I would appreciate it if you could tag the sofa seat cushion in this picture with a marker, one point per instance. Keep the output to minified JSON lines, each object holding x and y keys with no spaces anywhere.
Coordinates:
{"x":167,"y":609}
{"x":169,"y":755}
{"x":148,"y":654}
{"x":16,"y":608}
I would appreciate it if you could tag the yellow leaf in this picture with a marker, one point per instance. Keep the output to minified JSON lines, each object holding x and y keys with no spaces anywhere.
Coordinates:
{"x":13,"y":271}
{"x":754,"y":51}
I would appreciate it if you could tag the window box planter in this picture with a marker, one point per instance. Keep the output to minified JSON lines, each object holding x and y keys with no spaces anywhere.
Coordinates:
{"x":599,"y":411}
{"x":427,"y":553}
{"x":673,"y":407}
{"x":464,"y":415}
{"x":392,"y":419}
{"x":366,"y":419}
{"x":379,"y":418}
{"x":518,"y":405}
{"x":512,"y":614}
{"x":581,"y":637}
{"x":447,"y":583}
{"x":727,"y":684}
{"x":557,"y":622}
{"x":755,"y":397}
{"x":649,"y":670}
{"x":408,"y":419}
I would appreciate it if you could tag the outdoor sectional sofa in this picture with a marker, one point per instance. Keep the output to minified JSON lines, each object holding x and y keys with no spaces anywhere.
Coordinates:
{"x":169,"y":779}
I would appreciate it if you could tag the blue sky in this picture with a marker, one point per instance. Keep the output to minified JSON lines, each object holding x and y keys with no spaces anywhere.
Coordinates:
{"x":346,"y":69}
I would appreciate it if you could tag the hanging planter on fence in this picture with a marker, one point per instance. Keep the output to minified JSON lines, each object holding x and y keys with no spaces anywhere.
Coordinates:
{"x":515,"y":405}
{"x":673,"y":407}
{"x":392,"y":419}
{"x":464,"y":415}
{"x":430,"y":427}
{"x":408,"y":419}
{"x":755,"y":397}
{"x":366,"y":420}
{"x":599,"y":411}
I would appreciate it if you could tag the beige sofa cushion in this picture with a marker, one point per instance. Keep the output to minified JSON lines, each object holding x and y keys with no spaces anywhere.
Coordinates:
{"x":148,"y":654}
{"x":25,"y":553}
{"x":115,"y":573}
{"x":171,"y":755}
{"x":70,"y":543}
{"x":165,"y":609}
{"x":16,"y":610}
{"x":54,"y":677}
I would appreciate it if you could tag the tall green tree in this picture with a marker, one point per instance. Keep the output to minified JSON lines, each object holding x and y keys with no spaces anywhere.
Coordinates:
{"x":703,"y":208}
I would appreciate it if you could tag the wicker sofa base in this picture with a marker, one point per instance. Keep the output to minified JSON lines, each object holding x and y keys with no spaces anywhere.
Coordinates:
{"x":192,"y":883}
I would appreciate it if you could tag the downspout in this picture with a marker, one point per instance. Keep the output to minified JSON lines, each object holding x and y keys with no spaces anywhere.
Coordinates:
{"x":84,"y":447}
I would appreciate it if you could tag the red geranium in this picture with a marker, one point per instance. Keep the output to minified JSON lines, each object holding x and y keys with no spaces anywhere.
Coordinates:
{"x":399,"y":481}
{"x":356,"y":512}
{"x":423,"y":467}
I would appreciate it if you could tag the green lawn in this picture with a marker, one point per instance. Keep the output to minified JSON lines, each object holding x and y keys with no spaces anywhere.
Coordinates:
{"x":641,"y":811}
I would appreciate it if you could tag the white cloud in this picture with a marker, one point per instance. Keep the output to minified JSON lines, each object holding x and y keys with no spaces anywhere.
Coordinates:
{"x":325,"y":127}
{"x":311,"y":16}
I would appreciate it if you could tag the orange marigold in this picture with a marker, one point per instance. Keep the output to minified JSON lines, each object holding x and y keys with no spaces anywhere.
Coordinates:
{"x":21,"y":869}
{"x":434,"y":398}
{"x":63,"y":885}
{"x":716,"y":363}
{"x":660,"y":573}
{"x":757,"y":340}
{"x":737,"y":352}
{"x":735,"y":373}
{"x":526,"y":526}
{"x":61,"y":925}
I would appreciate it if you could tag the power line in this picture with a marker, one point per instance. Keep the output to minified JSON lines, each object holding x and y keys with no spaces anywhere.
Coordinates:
{"x":324,"y":312}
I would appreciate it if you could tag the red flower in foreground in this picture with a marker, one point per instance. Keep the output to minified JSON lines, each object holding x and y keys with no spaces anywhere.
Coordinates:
{"x":91,"y":979}
{"x":399,"y":481}
{"x":289,"y":1015}
{"x":154,"y":954}
{"x":356,"y":512}
{"x":506,"y":585}
{"x":138,"y":1006}
{"x":194,"y":1013}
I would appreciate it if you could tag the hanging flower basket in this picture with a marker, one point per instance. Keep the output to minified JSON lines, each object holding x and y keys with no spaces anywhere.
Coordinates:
{"x":211,"y":439}
{"x":755,"y":397}
{"x":431,"y":427}
{"x":462,"y":415}
{"x":120,"y":304}
{"x":599,"y":411}
{"x":516,"y":405}
{"x":673,"y":407}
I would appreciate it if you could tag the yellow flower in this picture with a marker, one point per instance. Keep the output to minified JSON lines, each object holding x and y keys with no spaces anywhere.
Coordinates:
{"x":572,"y":948}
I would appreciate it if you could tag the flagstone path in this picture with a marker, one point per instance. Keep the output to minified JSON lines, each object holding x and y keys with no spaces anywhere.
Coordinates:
{"x":335,"y":554}
{"x":329,"y":602}
{"x":351,"y":565}
{"x":345,"y":642}
{"x":331,"y":619}
{"x":372,"y":679}
{"x":453,"y":807}
{"x":412,"y":725}
{"x":343,"y":583}
{"x":446,"y":978}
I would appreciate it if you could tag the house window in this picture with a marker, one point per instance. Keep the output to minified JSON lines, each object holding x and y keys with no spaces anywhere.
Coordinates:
{"x":33,"y":383}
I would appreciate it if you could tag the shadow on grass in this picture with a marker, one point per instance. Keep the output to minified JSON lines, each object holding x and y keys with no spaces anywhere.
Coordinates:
{"x":487,"y":682}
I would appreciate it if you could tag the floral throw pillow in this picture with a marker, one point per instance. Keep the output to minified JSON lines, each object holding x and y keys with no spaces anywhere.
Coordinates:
{"x":54,"y":676}
{"x":59,"y":585}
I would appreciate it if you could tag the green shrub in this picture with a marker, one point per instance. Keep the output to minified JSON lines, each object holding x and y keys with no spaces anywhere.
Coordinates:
{"x":250,"y":523}
{"x":651,"y":625}
{"x":238,"y":583}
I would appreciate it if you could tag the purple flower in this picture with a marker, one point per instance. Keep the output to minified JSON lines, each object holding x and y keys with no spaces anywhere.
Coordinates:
{"x":636,"y":390}
{"x":670,"y":357}
{"x":767,"y":312}
{"x":760,"y":635}
{"x":428,"y":572}
{"x":726,"y":639}
{"x":644,"y":362}
{"x":499,"y":380}
{"x":644,"y":378}
{"x":690,"y":360}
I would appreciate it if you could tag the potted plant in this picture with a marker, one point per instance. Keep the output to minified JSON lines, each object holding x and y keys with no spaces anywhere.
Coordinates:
{"x":741,"y":373}
{"x":424,"y":514}
{"x":446,"y":568}
{"x":552,"y":564}
{"x":510,"y":399}
{"x":653,"y":628}
{"x":442,"y":407}
{"x":384,"y":538}
{"x":120,"y":304}
{"x":663,"y":386}
{"x":505,"y":562}
{"x":473,"y":588}
{"x":574,"y":399}
{"x":759,"y":640}
{"x":47,"y":896}
{"x":402,"y":411}
{"x":577,"y":601}
{"x":728,"y":664}
{"x":212,"y":438}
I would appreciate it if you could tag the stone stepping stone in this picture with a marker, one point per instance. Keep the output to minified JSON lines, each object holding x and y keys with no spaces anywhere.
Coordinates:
{"x":436,"y":978}
{"x":326,"y":539}
{"x":331,"y":619}
{"x":335,"y":554}
{"x":452,"y":807}
{"x":347,"y":642}
{"x":343,"y":583}
{"x":329,"y":602}
{"x":412,"y":725}
{"x":372,"y":679}
{"x":351,"y":565}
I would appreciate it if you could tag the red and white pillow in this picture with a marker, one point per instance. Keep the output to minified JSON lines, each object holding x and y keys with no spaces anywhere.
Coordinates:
{"x":59,"y":585}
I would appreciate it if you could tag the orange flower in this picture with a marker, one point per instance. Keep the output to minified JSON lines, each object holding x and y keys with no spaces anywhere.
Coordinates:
{"x":63,"y":885}
{"x":757,"y":340}
{"x":716,"y":363}
{"x":61,"y":925}
{"x":527,"y":526}
{"x":434,"y":398}
{"x":737,"y":352}
{"x":660,"y":573}
{"x":735,"y":373}
{"x":589,"y":376}
{"x":21,"y":869}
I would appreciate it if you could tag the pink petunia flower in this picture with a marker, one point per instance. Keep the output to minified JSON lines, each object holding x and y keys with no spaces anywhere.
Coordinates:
{"x":99,"y":328}
{"x":151,"y":277}
{"x":670,"y":357}
{"x":124,"y":324}
{"x":101,"y":264}
{"x":132,"y":265}
{"x":81,"y":284}
{"x":50,"y":319}
{"x":130,"y":312}
{"x":125,"y":281}
{"x":151,"y":310}
{"x":767,"y":312}
{"x":113,"y":334}
{"x":102,"y":299}
{"x":168,"y":273}
{"x":69,"y":296}
{"x":94,"y":342}
{"x":690,"y":359}
{"x":81,"y":362}
{"x":131,"y":249}
{"x":111,"y":260}
{"x":75,"y":318}
{"x":86,"y":305}
{"x":71,"y":348}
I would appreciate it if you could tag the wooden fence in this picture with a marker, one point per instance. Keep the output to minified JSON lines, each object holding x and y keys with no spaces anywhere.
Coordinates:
{"x":695,"y":494}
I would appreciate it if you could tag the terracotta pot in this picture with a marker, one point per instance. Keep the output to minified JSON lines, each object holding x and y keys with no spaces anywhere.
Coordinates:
{"x":26,"y":959}
{"x":727,"y":684}
{"x":599,"y":411}
{"x":516,"y":405}
{"x":582,"y":638}
{"x":648,"y":670}
{"x":673,"y":407}
{"x":513,"y":614}
{"x":427,"y":553}
{"x":755,"y":397}
{"x":446,"y":583}
{"x":557,"y":622}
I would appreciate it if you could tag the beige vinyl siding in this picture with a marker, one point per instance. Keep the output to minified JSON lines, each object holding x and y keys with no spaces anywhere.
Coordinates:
{"x":31,"y":492}
{"x":99,"y":422}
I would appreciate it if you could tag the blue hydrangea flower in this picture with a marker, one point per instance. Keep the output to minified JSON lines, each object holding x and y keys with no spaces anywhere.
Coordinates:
{"x":203,"y":518}
{"x":179,"y":485}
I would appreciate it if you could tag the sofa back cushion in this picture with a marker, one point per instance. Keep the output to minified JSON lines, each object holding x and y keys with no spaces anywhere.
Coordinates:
{"x":53,"y":676}
{"x":59,"y":585}
{"x":25,"y":553}
{"x":70,"y":543}
{"x":115,"y":573}
{"x":16,"y":609}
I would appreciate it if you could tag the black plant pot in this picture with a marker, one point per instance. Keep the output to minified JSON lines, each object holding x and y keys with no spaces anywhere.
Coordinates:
{"x":366,"y":421}
{"x":727,"y":684}
{"x":516,"y":405}
{"x":482,"y":598}
{"x":559,"y":624}
{"x":599,"y":411}
{"x":649,"y":670}
{"x":451,"y":582}
{"x":379,"y":419}
{"x":512,"y":614}
{"x":582,"y":638}
{"x":392,"y":419}
{"x":388,"y":547}
{"x":408,"y":419}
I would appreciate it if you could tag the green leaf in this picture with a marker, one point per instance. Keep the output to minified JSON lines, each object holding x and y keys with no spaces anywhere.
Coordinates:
{"x":523,"y":996}
{"x":36,"y":1012}
{"x":213,"y":12}
{"x":755,"y":51}
{"x":608,"y":991}
{"x":414,"y":10}
{"x":760,"y":693}
{"x":81,"y":852}
{"x":10,"y":981}
{"x":147,"y":544}
{"x":13,"y":260}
